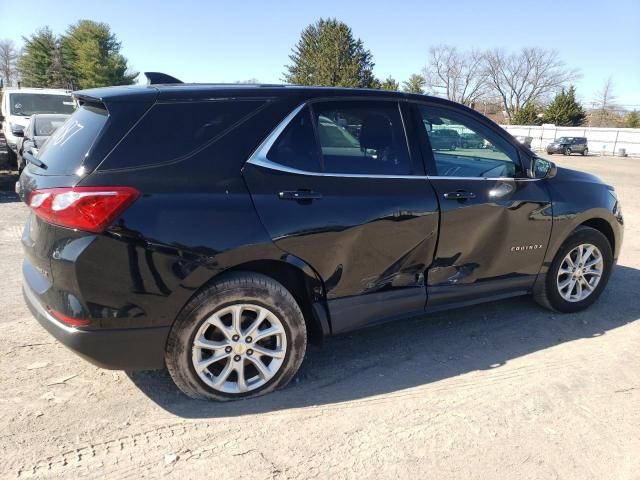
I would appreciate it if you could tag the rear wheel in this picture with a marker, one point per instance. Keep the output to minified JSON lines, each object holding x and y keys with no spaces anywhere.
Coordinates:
{"x":585,"y":151}
{"x":579,"y":272}
{"x":242,"y":337}
{"x":12,"y":157}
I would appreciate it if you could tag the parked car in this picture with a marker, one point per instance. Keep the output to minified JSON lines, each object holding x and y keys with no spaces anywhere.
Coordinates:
{"x":568,"y":145}
{"x":444,"y":139}
{"x":220,"y":246}
{"x":523,"y":139}
{"x":471,"y":140}
{"x":38,"y":130}
{"x":18,"y":104}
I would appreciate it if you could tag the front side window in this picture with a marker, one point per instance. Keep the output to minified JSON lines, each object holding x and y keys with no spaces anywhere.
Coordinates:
{"x":348,"y":137}
{"x":463,"y":147}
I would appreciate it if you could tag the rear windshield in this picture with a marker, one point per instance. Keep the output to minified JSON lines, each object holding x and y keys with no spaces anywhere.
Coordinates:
{"x":27,"y":104}
{"x":46,"y":126}
{"x":66,"y":149}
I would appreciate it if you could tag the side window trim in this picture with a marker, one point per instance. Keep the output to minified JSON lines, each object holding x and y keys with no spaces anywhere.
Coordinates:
{"x":427,"y":151}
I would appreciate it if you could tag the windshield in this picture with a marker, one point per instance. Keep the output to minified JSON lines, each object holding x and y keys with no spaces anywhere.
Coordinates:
{"x":564,"y":140}
{"x":45,"y":126}
{"x":26,"y":104}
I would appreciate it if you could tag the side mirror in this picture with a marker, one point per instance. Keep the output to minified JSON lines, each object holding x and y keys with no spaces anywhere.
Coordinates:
{"x":18,"y":132}
{"x":541,"y":168}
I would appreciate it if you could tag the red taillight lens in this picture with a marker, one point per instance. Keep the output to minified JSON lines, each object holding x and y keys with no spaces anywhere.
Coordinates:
{"x":71,"y":321}
{"x":85,"y":208}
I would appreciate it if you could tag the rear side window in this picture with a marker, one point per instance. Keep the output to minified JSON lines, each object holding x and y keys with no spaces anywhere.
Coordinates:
{"x":297,"y":147}
{"x":173,"y":131}
{"x":350,"y":137}
{"x":362,"y":137}
{"x":65,"y":150}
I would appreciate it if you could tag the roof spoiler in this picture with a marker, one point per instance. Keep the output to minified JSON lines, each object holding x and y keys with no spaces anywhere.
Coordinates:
{"x":156,"y":78}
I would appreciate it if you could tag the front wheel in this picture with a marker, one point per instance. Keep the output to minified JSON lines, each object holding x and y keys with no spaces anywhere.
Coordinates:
{"x":567,"y":151}
{"x":242,"y":337}
{"x":579,"y":272}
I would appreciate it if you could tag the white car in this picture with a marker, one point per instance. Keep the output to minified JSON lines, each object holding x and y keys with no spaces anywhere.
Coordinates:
{"x":17,"y":106}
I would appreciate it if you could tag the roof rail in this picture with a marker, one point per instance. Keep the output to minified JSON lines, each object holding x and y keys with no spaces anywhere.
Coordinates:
{"x":155,"y":78}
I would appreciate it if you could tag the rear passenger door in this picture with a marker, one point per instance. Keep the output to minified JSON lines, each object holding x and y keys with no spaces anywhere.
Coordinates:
{"x":337,"y":185}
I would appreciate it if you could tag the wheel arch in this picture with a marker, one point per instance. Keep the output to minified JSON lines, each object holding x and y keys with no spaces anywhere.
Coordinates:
{"x":304,"y":284}
{"x":603,"y":227}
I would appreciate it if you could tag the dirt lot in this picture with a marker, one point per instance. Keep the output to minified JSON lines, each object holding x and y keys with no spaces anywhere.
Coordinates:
{"x":503,"y":390}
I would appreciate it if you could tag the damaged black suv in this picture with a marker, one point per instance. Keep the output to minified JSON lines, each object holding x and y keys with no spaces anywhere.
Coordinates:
{"x":215,"y":230}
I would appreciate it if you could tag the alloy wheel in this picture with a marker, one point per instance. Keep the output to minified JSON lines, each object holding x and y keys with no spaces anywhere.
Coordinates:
{"x":580,"y":272}
{"x":239,"y":348}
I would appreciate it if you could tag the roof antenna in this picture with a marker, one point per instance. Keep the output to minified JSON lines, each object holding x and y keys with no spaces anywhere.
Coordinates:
{"x":157,"y":78}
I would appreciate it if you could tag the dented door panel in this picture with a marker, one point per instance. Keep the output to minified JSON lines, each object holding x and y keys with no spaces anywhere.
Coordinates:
{"x":500,"y":234}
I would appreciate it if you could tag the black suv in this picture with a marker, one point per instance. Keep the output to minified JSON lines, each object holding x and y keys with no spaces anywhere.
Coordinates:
{"x":568,"y":145}
{"x":217,"y":229}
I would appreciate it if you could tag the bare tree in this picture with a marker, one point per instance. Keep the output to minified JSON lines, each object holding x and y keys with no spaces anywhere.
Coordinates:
{"x":8,"y":59}
{"x":458,"y":76}
{"x":605,"y":110}
{"x":525,"y":77}
{"x":605,"y":98}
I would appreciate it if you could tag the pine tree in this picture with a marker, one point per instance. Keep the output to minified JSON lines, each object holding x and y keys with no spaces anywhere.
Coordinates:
{"x":91,"y":56}
{"x":328,"y":54}
{"x":564,"y":110}
{"x":415,"y":84}
{"x":527,"y":115}
{"x":389,"y":84}
{"x":632,"y":120}
{"x":40,"y":64}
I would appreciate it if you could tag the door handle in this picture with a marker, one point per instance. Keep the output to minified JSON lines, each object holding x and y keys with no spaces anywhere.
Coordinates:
{"x":459,"y":195}
{"x":299,"y":195}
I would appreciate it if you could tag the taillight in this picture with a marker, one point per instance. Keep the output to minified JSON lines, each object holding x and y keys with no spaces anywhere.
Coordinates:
{"x":71,"y":321}
{"x":84,"y":208}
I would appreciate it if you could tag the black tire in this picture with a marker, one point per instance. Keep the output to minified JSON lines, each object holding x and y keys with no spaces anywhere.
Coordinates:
{"x":585,"y":152}
{"x":546,"y":292}
{"x":237,"y":287}
{"x":567,"y":151}
{"x":12,"y":158}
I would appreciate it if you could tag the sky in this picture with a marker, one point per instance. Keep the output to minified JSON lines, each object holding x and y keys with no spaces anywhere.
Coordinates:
{"x":227,"y":41}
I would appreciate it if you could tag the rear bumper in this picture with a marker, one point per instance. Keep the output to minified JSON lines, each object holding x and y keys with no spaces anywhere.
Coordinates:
{"x":115,"y":349}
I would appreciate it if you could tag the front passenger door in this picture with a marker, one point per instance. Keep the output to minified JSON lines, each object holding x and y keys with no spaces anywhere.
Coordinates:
{"x":495,"y":222}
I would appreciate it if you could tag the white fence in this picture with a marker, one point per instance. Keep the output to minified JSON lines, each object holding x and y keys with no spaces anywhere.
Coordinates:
{"x":603,"y":141}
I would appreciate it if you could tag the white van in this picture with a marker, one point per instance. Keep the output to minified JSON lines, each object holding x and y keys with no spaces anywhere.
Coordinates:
{"x":18,"y":104}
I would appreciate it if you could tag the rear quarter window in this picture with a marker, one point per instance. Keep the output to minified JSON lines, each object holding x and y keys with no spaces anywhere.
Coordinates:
{"x":171,"y":132}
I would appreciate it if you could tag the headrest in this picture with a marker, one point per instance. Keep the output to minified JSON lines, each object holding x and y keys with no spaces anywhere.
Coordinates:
{"x":375,"y":132}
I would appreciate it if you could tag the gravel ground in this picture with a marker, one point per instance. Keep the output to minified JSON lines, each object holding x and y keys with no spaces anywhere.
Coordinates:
{"x":502,"y":390}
